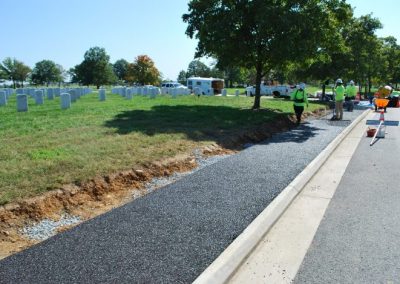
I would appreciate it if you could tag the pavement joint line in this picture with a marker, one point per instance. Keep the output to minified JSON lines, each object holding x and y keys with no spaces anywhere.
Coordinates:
{"x":316,"y":197}
{"x":226,"y":264}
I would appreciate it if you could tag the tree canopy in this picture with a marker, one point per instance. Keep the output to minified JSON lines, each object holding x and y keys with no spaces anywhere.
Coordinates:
{"x":263,"y":34}
{"x":14,"y":70}
{"x":46,"y":72}
{"x":95,"y":68}
{"x":143,"y":71}
{"x":120,"y":68}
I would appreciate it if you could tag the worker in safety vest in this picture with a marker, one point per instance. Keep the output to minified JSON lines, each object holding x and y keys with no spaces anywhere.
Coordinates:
{"x":339,"y":98}
{"x":351,"y":92}
{"x":300,"y":100}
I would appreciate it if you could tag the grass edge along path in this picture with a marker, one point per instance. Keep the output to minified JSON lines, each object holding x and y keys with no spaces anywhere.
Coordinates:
{"x":46,"y":147}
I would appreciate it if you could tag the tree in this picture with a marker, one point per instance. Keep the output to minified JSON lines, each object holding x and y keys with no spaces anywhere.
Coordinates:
{"x":46,"y":72}
{"x":15,"y":71}
{"x":95,"y":68}
{"x":182,"y":77}
{"x":120,"y":68}
{"x":143,"y":71}
{"x":391,"y":51}
{"x":197,"y":68}
{"x":261,"y":34}
{"x":366,"y":49}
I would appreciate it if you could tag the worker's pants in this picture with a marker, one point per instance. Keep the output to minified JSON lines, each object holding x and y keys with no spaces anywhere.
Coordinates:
{"x":298,"y":110}
{"x":349,"y":104}
{"x":339,"y":109}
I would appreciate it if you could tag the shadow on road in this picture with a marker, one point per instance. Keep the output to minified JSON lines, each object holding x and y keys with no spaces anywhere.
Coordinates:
{"x":299,"y":134}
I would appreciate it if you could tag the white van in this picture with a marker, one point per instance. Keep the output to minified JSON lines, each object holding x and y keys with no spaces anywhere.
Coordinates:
{"x":205,"y":86}
{"x":276,"y":91}
{"x":171,"y":85}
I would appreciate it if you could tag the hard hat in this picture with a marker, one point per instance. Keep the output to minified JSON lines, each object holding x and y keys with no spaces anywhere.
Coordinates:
{"x":302,"y":86}
{"x":351,"y":82}
{"x":339,"y":81}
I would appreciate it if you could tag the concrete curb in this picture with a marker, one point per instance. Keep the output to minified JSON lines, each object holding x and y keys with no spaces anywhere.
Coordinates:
{"x":232,"y":257}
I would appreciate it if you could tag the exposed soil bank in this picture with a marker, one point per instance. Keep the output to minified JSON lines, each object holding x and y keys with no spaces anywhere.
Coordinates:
{"x":101,"y":194}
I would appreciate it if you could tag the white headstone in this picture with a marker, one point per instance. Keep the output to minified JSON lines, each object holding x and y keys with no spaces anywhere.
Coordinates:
{"x":39,"y":97}
{"x":153,"y":93}
{"x":140,"y":91}
{"x":50,"y":94}
{"x":20,"y":91}
{"x":3,"y":98}
{"x":237,"y":92}
{"x":128,"y":93}
{"x":65,"y":100}
{"x":173,"y":92}
{"x":74,"y":97}
{"x":22,"y":103}
{"x":224,"y":92}
{"x":102,"y":95}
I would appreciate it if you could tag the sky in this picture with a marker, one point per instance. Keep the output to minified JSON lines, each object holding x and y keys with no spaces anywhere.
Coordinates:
{"x":63,"y":30}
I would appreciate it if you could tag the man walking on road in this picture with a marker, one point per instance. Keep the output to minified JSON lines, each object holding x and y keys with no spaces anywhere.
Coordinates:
{"x":339,"y":97}
{"x":351,"y":92}
{"x":300,"y":100}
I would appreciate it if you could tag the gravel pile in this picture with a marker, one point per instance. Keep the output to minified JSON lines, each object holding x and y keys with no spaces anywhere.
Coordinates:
{"x":48,"y":228}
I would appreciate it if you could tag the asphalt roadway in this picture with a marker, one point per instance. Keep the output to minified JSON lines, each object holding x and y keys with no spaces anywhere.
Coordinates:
{"x":358,"y":239}
{"x":173,"y":234}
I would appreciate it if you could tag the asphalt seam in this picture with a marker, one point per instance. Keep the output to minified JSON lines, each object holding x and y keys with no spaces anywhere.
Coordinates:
{"x":224,"y":267}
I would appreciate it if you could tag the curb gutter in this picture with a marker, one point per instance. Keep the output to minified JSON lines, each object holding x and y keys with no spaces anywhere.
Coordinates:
{"x":232,"y":257}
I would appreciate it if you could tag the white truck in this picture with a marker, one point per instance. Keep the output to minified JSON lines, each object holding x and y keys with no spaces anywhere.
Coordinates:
{"x":278,"y":91}
{"x":205,"y":86}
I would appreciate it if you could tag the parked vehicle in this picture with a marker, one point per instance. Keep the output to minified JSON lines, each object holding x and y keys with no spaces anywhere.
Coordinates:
{"x":278,"y":91}
{"x":171,"y":85}
{"x":205,"y":86}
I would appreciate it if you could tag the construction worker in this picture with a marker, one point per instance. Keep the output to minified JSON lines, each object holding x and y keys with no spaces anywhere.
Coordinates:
{"x":300,"y":100}
{"x":339,"y":98}
{"x":351,"y":92}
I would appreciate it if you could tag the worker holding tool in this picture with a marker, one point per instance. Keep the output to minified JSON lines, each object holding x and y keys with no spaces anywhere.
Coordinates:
{"x":339,"y":98}
{"x":351,"y":92}
{"x":300,"y":100}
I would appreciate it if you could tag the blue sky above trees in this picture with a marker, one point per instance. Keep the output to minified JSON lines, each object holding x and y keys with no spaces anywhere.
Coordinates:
{"x":63,"y":30}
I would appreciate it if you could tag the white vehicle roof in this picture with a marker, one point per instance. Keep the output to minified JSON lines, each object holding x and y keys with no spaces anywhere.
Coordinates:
{"x":204,"y":79}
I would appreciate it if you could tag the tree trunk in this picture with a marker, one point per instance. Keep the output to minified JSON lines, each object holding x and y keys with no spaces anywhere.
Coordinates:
{"x":257,"y":97}
{"x":369,"y":85}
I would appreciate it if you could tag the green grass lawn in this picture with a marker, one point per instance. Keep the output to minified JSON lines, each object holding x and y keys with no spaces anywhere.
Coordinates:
{"x":47,"y":147}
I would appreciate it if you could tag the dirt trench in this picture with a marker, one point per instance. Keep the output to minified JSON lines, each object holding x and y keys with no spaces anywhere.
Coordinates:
{"x":101,"y":194}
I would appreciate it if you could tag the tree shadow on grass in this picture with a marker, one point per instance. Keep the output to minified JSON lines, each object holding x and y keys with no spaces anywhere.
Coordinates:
{"x":197,"y":122}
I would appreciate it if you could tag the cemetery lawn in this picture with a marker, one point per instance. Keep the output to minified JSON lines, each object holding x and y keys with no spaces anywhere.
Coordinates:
{"x":47,"y":147}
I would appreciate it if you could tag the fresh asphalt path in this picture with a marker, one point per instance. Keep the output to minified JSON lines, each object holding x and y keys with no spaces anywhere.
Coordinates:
{"x":358,"y":239}
{"x":173,"y":234}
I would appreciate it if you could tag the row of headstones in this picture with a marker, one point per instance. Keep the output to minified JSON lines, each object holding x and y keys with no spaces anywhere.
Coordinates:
{"x":8,"y":91}
{"x":67,"y":97}
{"x":150,"y":91}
